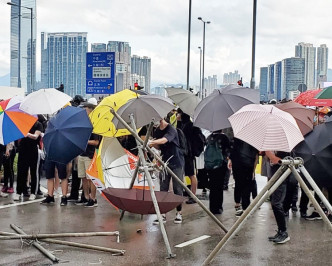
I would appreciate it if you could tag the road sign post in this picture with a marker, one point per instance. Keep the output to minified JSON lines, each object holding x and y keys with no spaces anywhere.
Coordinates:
{"x":100,"y":72}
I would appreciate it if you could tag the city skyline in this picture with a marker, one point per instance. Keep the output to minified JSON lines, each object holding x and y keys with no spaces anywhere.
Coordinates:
{"x":160,"y":32}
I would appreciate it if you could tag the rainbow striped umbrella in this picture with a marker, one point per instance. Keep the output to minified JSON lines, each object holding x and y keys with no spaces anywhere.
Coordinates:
{"x":14,"y":123}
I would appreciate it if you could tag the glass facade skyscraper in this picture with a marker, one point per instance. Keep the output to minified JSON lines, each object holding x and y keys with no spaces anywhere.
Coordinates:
{"x":63,"y":61}
{"x":263,"y":84}
{"x":141,"y":66}
{"x":277,"y":80}
{"x":292,"y":75}
{"x":308,"y":52}
{"x":98,"y":47}
{"x":23,"y":45}
{"x":322,"y":63}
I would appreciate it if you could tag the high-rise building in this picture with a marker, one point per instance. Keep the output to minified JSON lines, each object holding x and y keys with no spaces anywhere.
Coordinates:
{"x":123,"y":61}
{"x":98,"y":47}
{"x":142,"y":67}
{"x":322,"y":63}
{"x":308,"y":52}
{"x":23,"y":44}
{"x":231,"y":78}
{"x":210,"y":84}
{"x":277,"y":80}
{"x":263,"y":84}
{"x":292,"y":75}
{"x":272,"y":93}
{"x":63,"y":61}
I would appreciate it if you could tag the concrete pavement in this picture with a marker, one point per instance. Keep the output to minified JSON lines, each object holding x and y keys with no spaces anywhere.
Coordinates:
{"x":310,"y":244}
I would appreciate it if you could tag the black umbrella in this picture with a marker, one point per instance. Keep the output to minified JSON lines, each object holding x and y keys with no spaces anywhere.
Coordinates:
{"x":316,"y":151}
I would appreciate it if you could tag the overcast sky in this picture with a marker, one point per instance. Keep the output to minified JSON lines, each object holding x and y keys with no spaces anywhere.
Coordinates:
{"x":159,"y":29}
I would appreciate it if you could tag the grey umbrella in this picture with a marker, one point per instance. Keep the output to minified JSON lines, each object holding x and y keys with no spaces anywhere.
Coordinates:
{"x":213,"y":111}
{"x":144,"y":108}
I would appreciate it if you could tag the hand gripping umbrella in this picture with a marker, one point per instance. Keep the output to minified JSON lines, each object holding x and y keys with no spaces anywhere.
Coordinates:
{"x":14,"y":123}
{"x":213,"y":111}
{"x":67,"y":134}
{"x":44,"y":101}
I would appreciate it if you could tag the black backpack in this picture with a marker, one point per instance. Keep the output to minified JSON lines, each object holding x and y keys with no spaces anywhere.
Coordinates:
{"x":197,"y":142}
{"x":183,"y":142}
{"x":213,"y":157}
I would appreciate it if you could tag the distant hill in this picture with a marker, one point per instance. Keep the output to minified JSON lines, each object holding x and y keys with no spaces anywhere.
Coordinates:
{"x":5,"y":80}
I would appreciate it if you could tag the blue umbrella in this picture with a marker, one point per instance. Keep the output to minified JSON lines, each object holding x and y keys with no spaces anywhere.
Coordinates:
{"x":67,"y":135}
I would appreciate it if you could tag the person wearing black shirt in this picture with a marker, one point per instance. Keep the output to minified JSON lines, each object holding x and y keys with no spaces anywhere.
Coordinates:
{"x":28,"y":159}
{"x":243,"y":162}
{"x":217,"y":175}
{"x":167,"y":141}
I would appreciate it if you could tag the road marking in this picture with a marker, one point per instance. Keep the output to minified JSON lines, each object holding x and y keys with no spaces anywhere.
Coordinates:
{"x":44,"y":190}
{"x":187,"y":243}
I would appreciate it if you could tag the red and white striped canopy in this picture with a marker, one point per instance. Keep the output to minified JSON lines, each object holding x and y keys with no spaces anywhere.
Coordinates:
{"x":266,"y":127}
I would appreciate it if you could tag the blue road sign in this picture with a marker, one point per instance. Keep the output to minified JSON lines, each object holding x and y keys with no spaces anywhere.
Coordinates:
{"x":100,"y":73}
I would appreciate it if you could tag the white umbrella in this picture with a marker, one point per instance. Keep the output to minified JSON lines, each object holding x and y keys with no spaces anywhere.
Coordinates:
{"x":186,"y":100}
{"x":44,"y":101}
{"x":9,"y":92}
{"x":266,"y":127}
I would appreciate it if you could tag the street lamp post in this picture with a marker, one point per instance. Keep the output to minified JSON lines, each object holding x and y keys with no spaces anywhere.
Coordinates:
{"x":204,"y":22}
{"x":200,"y":71}
{"x":188,"y":59}
{"x":31,"y":40}
{"x":252,"y":81}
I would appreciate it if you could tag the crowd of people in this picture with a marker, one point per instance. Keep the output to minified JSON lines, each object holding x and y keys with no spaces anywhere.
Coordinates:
{"x":206,"y":158}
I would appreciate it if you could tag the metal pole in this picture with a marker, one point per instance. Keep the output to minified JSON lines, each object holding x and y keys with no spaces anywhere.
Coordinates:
{"x":251,"y":208}
{"x":134,"y":133}
{"x":316,"y":188}
{"x":311,"y":197}
{"x":203,"y":92}
{"x":31,"y":52}
{"x":200,"y":73}
{"x":138,"y":164}
{"x":252,"y":81}
{"x":189,"y":31}
{"x":36,"y":245}
{"x":153,"y":195}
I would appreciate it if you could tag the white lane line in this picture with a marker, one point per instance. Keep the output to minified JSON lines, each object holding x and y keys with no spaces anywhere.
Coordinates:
{"x":187,"y":243}
{"x":44,"y":190}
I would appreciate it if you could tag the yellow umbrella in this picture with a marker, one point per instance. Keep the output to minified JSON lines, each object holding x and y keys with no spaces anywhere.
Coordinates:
{"x":101,"y":117}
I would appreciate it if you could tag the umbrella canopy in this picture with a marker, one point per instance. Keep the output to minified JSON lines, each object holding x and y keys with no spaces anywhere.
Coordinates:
{"x":9,"y":92}
{"x":67,"y":134}
{"x":266,"y":128}
{"x":185,"y":99}
{"x":101,"y":117}
{"x":304,"y":98}
{"x":139,"y":201}
{"x":323,"y":98}
{"x":118,"y":165}
{"x":304,"y":117}
{"x":144,"y":108}
{"x":316,"y":151}
{"x":14,"y":123}
{"x":44,"y":101}
{"x":213,"y":111}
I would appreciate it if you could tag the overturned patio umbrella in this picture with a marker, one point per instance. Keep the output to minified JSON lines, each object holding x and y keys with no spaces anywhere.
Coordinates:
{"x":185,"y":99}
{"x":139,"y":200}
{"x":213,"y":111}
{"x":145,"y":108}
{"x":316,"y":151}
{"x":304,"y":117}
{"x":266,"y":128}
{"x":67,"y":135}
{"x":44,"y":101}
